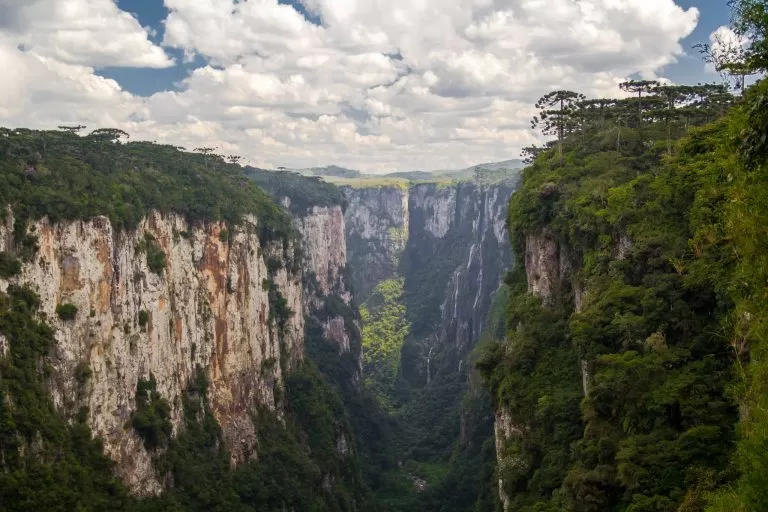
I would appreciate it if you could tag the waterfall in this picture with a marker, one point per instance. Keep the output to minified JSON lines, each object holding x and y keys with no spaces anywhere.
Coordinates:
{"x":429,"y":356}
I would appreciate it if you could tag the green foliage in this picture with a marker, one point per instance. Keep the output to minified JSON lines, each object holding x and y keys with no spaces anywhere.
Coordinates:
{"x":83,"y":372}
{"x":647,"y":237}
{"x":153,"y":252}
{"x":143,"y":319}
{"x":304,"y":192}
{"x":273,"y":265}
{"x":46,"y":462}
{"x":750,"y":19}
{"x":9,"y":266}
{"x":747,"y":328}
{"x":152,"y":417}
{"x":66,"y":311}
{"x":385,"y":328}
{"x":279,"y":311}
{"x":63,"y":176}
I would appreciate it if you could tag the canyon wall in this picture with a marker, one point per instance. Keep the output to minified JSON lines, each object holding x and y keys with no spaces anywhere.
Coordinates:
{"x":450,"y":245}
{"x":209,"y":307}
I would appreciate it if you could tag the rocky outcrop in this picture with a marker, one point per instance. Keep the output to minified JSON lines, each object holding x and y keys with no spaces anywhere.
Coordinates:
{"x":548,"y":267}
{"x":504,"y":431}
{"x":208,"y":307}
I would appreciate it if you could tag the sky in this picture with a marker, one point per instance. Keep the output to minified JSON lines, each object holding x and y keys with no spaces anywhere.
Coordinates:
{"x":375,"y":85}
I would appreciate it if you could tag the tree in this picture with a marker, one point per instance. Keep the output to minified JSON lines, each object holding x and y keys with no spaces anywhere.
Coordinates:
{"x":639,"y":87}
{"x":593,"y":112}
{"x":72,"y":129}
{"x":233,"y":159}
{"x":750,"y":22}
{"x":556,"y":116}
{"x":205,"y":150}
{"x":108,"y":134}
{"x":729,"y":58}
{"x":530,"y":153}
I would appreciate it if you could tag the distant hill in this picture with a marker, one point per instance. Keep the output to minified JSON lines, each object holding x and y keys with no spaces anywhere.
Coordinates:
{"x":491,"y":171}
{"x":469,"y":172}
{"x":329,"y":170}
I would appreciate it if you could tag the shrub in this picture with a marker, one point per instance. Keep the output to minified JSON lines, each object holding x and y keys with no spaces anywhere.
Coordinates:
{"x":82,"y":373}
{"x":143,"y":318}
{"x":273,"y":265}
{"x":66,"y":311}
{"x":154,"y":253}
{"x":151,"y":419}
{"x":9,"y":266}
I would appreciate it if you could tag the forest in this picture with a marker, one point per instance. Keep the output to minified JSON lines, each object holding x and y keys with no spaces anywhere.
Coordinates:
{"x":637,"y":383}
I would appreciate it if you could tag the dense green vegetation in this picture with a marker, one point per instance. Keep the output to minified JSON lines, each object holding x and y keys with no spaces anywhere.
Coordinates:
{"x":66,"y":311}
{"x":664,"y":228}
{"x":303,"y":192}
{"x":152,"y":417}
{"x":46,"y":461}
{"x":297,"y":467}
{"x":153,"y":253}
{"x":385,"y":328}
{"x":9,"y":266}
{"x":64,"y":176}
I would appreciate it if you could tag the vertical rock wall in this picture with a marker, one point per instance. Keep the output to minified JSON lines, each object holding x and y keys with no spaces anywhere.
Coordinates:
{"x":208,"y":308}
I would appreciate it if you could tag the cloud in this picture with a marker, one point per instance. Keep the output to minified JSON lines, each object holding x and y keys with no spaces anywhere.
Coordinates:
{"x":85,"y":32}
{"x":379,"y":85}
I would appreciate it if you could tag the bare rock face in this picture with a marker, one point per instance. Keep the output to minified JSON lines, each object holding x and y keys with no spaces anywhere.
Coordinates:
{"x":377,"y":225}
{"x":439,"y":205}
{"x":545,"y":266}
{"x":325,"y":247}
{"x":505,"y":429}
{"x":207,"y":308}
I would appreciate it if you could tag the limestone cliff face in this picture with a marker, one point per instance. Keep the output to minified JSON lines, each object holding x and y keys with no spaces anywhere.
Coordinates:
{"x":325,"y":248}
{"x":325,"y":260}
{"x":377,"y":230}
{"x":207,"y":308}
{"x":449,"y":242}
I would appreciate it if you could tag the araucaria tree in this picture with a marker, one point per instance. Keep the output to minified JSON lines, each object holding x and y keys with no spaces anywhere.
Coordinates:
{"x":556,"y":116}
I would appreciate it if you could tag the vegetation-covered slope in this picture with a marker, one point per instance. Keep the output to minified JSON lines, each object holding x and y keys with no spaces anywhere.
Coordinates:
{"x":307,"y":457}
{"x":303,"y":192}
{"x":666,"y":239}
{"x":66,"y":176}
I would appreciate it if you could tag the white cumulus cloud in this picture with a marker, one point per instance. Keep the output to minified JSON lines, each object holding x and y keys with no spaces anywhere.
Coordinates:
{"x":378,"y":85}
{"x":86,"y":32}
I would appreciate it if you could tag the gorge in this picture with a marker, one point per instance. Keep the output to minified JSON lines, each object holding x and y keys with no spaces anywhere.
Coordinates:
{"x":585,"y":334}
{"x":172,"y":331}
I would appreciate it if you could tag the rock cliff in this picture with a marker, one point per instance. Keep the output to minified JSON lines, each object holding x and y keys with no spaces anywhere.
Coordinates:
{"x":217,"y":302}
{"x":449,"y":242}
{"x":324,"y":246}
{"x":377,"y":223}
